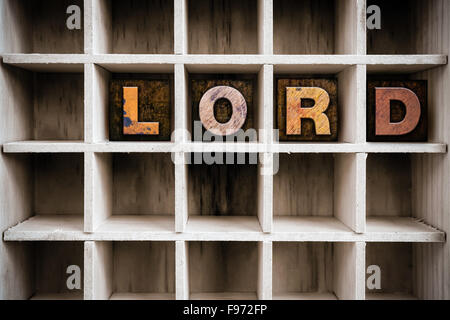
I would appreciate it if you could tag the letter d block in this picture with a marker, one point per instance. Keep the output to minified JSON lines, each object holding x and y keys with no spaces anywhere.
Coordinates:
{"x":140,"y":110}
{"x":397,"y":111}
{"x":307,"y":109}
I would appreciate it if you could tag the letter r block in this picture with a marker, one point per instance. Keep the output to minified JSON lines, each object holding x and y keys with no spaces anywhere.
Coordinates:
{"x":307,"y":109}
{"x":397,"y":111}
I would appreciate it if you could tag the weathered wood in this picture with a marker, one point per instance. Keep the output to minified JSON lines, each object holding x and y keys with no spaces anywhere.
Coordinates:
{"x":238,"y":112}
{"x":396,"y":114}
{"x":223,"y":109}
{"x":307,"y":109}
{"x":154,"y":105}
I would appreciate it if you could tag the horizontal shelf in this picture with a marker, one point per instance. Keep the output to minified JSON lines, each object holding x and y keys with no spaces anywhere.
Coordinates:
{"x":47,"y":228}
{"x":389,"y":296}
{"x":125,"y":226}
{"x":387,"y":229}
{"x":225,"y":63}
{"x":80,"y":146}
{"x":164,"y":147}
{"x":142,"y":296}
{"x":223,"y":296}
{"x":304,"y":296}
{"x":206,"y":228}
{"x":237,"y":226}
{"x":286,"y":228}
{"x":57,"y":296}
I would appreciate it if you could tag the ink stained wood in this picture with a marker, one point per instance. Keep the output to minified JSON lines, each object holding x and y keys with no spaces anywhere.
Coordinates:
{"x":397,"y":113}
{"x":222,"y":108}
{"x":154,"y":105}
{"x":308,"y":130}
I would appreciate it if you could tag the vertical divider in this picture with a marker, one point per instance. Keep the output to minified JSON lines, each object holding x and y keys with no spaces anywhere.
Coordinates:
{"x":360,"y":270}
{"x":265,"y":191}
{"x":181,"y":101}
{"x":97,"y":189}
{"x":101,"y":37}
{"x":350,"y":31}
{"x":181,"y":191}
{"x":265,"y":100}
{"x":181,"y":137}
{"x":265,"y":124}
{"x":181,"y":26}
{"x":89,"y":192}
{"x":347,"y":180}
{"x":88,"y":26}
{"x":264,"y":289}
{"x":96,"y":103}
{"x":98,"y":270}
{"x":361,"y":89}
{"x":361,"y":163}
{"x":88,"y":103}
{"x":88,"y":272}
{"x":265,"y":27}
{"x":182,"y":270}
{"x":349,"y":264}
{"x":352,"y":102}
{"x":361,"y":27}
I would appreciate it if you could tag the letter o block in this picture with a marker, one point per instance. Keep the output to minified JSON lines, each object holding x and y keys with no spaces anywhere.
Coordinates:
{"x":239,"y":110}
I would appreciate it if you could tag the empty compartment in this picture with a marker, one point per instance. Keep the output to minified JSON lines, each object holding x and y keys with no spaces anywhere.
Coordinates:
{"x":315,"y":270}
{"x":393,"y":270}
{"x":223,"y":270}
{"x":134,"y":191}
{"x":316,"y":191}
{"x":303,"y":271}
{"x":51,"y":186}
{"x":304,"y":185}
{"x":58,"y":106}
{"x":398,"y":189}
{"x":143,"y":270}
{"x":48,"y":106}
{"x":303,"y":26}
{"x":47,"y":190}
{"x":407,"y":27}
{"x":42,"y":26}
{"x":223,"y":26}
{"x":223,"y":197}
{"x":56,"y":270}
{"x":141,"y":26}
{"x":143,"y":184}
{"x":58,"y":184}
{"x":389,"y":185}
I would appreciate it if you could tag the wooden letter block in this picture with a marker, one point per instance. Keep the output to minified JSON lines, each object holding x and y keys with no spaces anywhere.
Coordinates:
{"x":397,"y":111}
{"x":238,"y":114}
{"x":140,"y":110}
{"x":307,"y":109}
{"x":223,"y":103}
